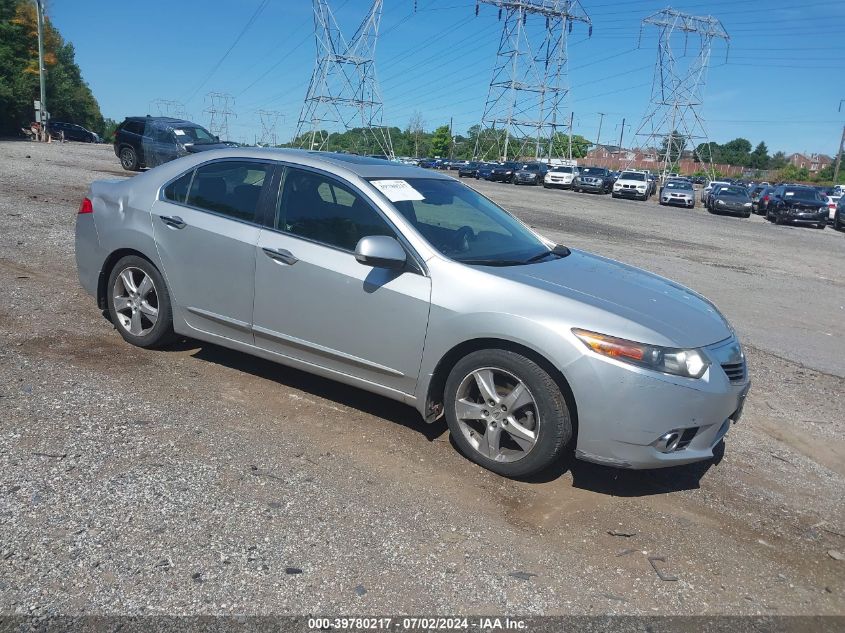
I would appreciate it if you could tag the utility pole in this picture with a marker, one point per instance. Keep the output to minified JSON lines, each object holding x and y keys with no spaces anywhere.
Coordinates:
{"x":39,"y":8}
{"x":839,"y":157}
{"x":622,"y":133}
{"x":598,"y":136}
{"x":451,"y":141}
{"x":571,"y":116}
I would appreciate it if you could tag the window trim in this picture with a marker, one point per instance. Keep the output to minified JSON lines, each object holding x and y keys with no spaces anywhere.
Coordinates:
{"x":259,"y":210}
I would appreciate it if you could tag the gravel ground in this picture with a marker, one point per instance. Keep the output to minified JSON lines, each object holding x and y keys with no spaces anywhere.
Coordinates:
{"x":202,"y":481}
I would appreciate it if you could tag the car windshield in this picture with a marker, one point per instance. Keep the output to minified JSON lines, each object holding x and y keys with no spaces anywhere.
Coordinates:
{"x":593,"y":171}
{"x":563,"y":170}
{"x":465,"y":226}
{"x":802,"y":193}
{"x":196,"y":135}
{"x":632,"y":175}
{"x":531,"y":168}
{"x":678,"y":185}
{"x":733,"y":190}
{"x":510,"y":165}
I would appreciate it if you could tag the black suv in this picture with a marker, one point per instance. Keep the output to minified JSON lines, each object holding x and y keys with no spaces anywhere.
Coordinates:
{"x":71,"y":132}
{"x":147,"y":141}
{"x":596,"y":179}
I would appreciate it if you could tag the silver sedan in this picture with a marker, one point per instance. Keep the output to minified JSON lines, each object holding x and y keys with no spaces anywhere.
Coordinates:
{"x":409,"y":284}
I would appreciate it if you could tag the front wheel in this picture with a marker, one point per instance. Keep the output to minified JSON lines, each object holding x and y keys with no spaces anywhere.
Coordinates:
{"x":506,"y":413}
{"x":139,"y":303}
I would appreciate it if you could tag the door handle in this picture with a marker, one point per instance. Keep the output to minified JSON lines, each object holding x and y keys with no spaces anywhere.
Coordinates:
{"x":173,"y":221}
{"x":281,"y":255}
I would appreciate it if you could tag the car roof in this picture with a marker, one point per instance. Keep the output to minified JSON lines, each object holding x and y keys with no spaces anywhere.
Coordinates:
{"x":361,"y":166}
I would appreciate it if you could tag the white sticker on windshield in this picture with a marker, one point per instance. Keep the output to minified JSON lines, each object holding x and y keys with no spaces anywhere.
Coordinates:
{"x":179,"y":132}
{"x":397,"y":190}
{"x":789,"y":193}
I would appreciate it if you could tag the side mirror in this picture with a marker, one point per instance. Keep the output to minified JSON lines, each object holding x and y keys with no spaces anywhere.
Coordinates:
{"x":380,"y":251}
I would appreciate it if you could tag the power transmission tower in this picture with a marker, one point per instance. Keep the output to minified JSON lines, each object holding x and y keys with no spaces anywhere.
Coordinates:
{"x":219,"y":110}
{"x":527,"y":94}
{"x":674,"y":119}
{"x":168,"y":107}
{"x":344,"y":93}
{"x":269,"y":120}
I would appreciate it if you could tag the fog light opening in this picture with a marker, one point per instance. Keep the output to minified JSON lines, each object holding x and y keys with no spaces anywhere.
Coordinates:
{"x":668,"y":443}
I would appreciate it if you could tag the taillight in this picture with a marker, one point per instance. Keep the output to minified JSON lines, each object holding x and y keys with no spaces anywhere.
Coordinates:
{"x":766,"y":198}
{"x":86,"y":206}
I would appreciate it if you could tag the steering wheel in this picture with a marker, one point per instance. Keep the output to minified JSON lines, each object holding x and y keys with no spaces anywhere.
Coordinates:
{"x":462,"y":238}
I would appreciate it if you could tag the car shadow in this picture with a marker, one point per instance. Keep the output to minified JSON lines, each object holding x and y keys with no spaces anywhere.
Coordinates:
{"x":317,"y":386}
{"x":585,"y":475}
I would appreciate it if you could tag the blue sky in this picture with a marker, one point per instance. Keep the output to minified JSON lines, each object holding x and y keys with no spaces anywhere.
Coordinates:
{"x":782,"y":82}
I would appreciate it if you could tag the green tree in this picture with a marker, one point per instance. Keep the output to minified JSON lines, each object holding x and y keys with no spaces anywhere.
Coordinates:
{"x":760,"y":156}
{"x":673,"y":146}
{"x":736,"y":152}
{"x":68,"y":96}
{"x":777,"y":161}
{"x":560,"y":145}
{"x":441,"y":141}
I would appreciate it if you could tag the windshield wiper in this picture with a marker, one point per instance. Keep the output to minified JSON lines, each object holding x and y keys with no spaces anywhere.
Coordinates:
{"x":559,"y":251}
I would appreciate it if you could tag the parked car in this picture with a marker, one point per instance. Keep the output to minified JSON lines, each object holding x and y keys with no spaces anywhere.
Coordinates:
{"x":678,"y":193}
{"x":595,"y":179}
{"x":632,"y":184}
{"x":468,"y":169}
{"x":343,"y":266}
{"x":797,"y":204}
{"x":427,"y":163}
{"x":504,"y":172}
{"x":832,"y":201}
{"x":530,"y":174}
{"x":839,"y":215}
{"x":484,"y":170}
{"x":561,"y":176}
{"x":151,"y":141}
{"x":732,"y":200}
{"x":71,"y":132}
{"x":706,"y":191}
{"x":761,"y":203}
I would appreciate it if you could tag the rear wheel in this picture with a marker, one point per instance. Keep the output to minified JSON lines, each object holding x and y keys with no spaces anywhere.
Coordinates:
{"x":506,"y":413}
{"x":139,"y":304}
{"x":129,"y":159}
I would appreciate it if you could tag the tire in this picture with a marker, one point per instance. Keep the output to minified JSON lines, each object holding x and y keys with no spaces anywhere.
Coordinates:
{"x":614,"y":195}
{"x":541,"y":415}
{"x":822,"y":225}
{"x":837,"y":225}
{"x":132,"y":309}
{"x":129,"y":158}
{"x":746,"y":215}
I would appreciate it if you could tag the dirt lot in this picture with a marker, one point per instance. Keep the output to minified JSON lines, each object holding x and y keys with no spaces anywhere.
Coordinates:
{"x":200,"y":480}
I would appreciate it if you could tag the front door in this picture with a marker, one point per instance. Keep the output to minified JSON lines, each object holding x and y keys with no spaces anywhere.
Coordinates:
{"x":314,"y":302}
{"x":206,"y":233}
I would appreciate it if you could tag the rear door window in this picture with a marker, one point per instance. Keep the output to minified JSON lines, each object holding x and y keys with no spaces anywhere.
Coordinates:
{"x":230,"y":188}
{"x":177,"y":191}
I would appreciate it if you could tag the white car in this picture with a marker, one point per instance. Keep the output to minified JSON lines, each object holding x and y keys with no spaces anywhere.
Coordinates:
{"x":561,"y":176}
{"x":831,"y":205}
{"x":632,"y":184}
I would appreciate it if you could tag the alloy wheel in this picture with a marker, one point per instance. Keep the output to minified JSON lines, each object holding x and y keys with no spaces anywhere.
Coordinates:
{"x":135,"y":301}
{"x":497,"y":414}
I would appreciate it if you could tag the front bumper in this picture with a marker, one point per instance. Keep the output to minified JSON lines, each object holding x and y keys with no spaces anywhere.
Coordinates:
{"x":681,"y":202}
{"x":558,"y":182}
{"x":731,"y":210}
{"x":627,"y":192}
{"x":812,"y":217}
{"x":630,"y":409}
{"x":500,"y":177}
{"x":525,"y":180}
{"x":591,"y":186}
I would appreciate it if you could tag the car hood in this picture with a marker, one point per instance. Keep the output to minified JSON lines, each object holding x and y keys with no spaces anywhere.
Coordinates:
{"x":682,"y":317}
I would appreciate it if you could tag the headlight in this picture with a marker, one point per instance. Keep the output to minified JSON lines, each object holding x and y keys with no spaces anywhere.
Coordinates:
{"x":747,"y":204}
{"x":689,"y":363}
{"x":720,"y":202}
{"x":640,"y":186}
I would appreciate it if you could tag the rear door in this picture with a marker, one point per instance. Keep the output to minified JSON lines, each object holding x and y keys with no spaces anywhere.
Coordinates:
{"x":206,"y":230}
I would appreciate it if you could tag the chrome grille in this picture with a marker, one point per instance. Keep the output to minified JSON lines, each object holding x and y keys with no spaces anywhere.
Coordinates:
{"x":735,"y":371}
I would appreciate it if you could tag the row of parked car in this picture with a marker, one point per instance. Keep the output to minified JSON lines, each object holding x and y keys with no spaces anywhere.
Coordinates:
{"x":782,"y":203}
